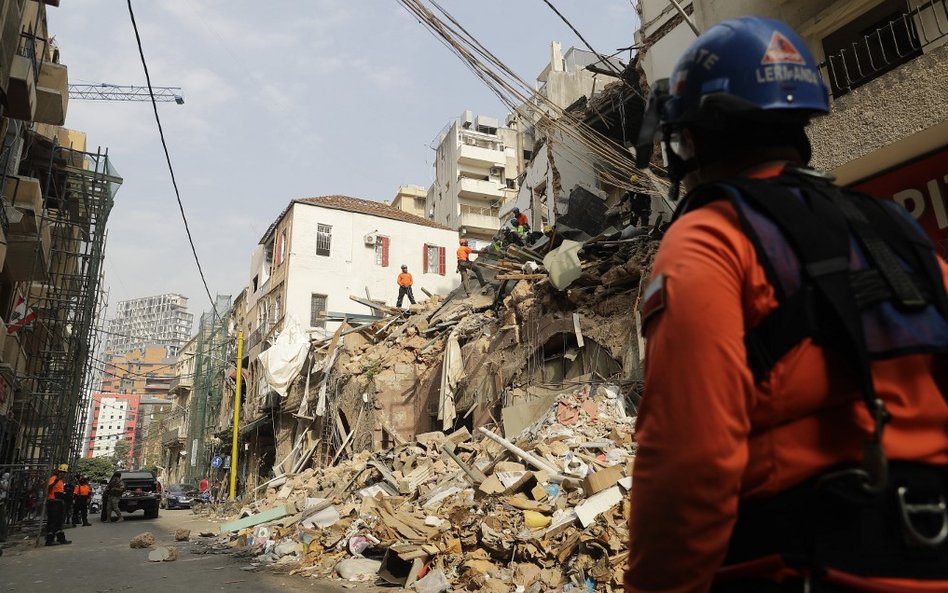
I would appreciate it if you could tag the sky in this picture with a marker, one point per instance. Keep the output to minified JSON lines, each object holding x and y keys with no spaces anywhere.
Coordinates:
{"x":283,"y":99}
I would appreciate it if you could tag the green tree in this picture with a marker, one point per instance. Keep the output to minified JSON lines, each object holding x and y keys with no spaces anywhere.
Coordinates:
{"x":120,"y":456}
{"x":97,"y":469}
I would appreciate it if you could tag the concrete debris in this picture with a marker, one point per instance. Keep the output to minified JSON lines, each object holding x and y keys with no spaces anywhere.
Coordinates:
{"x":438,"y":531}
{"x":163,"y":554}
{"x":182,"y":535}
{"x":142,"y":540}
{"x":475,"y":442}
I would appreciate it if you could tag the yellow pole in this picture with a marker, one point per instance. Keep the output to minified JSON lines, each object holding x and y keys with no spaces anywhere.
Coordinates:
{"x":233,"y":449}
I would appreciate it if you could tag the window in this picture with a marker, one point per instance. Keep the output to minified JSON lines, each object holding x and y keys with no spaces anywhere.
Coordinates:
{"x":870,"y":45}
{"x":381,"y":251}
{"x":434,"y":261}
{"x":317,"y":310}
{"x":279,"y":251}
{"x":323,"y":239}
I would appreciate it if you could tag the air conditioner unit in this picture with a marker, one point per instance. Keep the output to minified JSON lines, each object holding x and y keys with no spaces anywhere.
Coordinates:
{"x":369,"y":239}
{"x":496,"y":171}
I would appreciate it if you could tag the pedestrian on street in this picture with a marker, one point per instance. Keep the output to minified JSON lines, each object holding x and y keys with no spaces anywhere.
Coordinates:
{"x":404,"y":287}
{"x":203,"y":485}
{"x":113,"y":492}
{"x":55,"y":507}
{"x":81,"y":496}
{"x":465,"y":265}
{"x":793,"y":435}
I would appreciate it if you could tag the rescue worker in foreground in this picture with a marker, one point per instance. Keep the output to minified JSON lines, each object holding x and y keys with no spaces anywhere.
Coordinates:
{"x":55,"y":507}
{"x":806,"y":448}
{"x":465,"y":265}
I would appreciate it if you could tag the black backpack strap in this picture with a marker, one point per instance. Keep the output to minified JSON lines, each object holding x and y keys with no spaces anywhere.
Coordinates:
{"x":817,"y":230}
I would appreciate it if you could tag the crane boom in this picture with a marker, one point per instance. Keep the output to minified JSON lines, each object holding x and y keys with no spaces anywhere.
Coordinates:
{"x":119,"y":92}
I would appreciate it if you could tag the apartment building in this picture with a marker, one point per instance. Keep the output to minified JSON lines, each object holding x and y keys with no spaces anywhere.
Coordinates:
{"x":161,"y":320}
{"x":477,"y":162}
{"x":114,"y":418}
{"x":56,"y":200}
{"x":144,"y":371}
{"x":411,"y":199}
{"x":886,"y":65}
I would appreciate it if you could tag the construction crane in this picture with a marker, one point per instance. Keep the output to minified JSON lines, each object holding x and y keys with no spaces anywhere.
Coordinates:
{"x":119,"y":92}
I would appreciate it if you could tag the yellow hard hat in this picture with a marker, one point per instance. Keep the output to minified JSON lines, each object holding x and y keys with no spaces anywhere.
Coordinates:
{"x":63,"y":467}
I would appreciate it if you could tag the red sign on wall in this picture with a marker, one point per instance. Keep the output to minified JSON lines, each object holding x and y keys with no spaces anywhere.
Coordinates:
{"x":921,"y":186}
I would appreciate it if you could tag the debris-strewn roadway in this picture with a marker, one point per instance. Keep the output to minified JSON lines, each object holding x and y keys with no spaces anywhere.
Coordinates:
{"x":99,"y":560}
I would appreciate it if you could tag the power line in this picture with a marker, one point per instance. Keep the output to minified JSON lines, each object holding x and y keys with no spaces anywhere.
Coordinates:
{"x":606,"y":61}
{"x":164,"y":146}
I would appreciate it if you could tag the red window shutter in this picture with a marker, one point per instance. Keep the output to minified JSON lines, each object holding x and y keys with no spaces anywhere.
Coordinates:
{"x":441,"y":266}
{"x":384,"y":252}
{"x":424,"y":256}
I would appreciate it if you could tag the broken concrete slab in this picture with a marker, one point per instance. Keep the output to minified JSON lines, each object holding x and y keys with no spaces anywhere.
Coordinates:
{"x":163,"y":554}
{"x":142,"y":540}
{"x":273,"y":514}
{"x":599,"y":503}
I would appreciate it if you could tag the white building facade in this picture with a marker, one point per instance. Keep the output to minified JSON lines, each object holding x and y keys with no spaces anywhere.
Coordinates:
{"x":161,"y":320}
{"x":323,"y":250}
{"x":477,"y":163}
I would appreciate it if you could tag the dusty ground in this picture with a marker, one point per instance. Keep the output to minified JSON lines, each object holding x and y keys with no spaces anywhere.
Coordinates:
{"x":100,"y":561}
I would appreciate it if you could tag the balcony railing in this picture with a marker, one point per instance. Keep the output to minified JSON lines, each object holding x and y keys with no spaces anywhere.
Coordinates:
{"x":882,"y":50}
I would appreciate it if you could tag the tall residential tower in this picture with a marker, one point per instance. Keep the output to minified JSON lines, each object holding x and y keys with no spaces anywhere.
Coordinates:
{"x":161,"y":320}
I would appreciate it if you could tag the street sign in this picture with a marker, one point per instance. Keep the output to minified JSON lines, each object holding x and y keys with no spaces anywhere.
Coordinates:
{"x":216,"y":461}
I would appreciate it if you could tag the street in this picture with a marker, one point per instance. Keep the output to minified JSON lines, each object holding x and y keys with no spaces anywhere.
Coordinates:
{"x":99,"y":560}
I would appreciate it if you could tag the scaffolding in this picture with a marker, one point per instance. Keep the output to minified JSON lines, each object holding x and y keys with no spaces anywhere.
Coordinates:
{"x":211,"y":358}
{"x":51,"y":364}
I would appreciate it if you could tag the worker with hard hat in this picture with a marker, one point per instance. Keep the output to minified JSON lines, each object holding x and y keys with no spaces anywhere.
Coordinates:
{"x":55,"y":507}
{"x":793,"y":432}
{"x":465,"y":265}
{"x":404,"y":287}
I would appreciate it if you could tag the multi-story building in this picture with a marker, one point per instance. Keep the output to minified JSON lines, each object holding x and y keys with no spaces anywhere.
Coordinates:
{"x":886,"y":65}
{"x":411,"y":199}
{"x":114,"y":419}
{"x":145,"y":371}
{"x":161,"y":320}
{"x":147,"y":449}
{"x":477,"y":163}
{"x":174,"y":424}
{"x":56,"y":198}
{"x":320,"y":251}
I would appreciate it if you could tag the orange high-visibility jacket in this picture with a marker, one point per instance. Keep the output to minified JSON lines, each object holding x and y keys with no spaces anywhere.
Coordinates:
{"x":54,"y":486}
{"x":464,"y":253}
{"x":404,"y":279}
{"x":710,"y":436}
{"x":82,"y":490}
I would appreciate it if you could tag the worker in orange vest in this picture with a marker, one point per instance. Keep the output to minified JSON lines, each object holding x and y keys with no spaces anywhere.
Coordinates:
{"x":404,"y":287}
{"x":82,"y":493}
{"x":793,"y":432}
{"x":465,"y":265}
{"x":521,"y":218}
{"x":55,"y":507}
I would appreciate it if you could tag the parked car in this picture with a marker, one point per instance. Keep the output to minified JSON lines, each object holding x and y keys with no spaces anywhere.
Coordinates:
{"x":178,"y":496}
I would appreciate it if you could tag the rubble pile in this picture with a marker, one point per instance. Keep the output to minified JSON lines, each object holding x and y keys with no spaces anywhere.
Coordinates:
{"x":546,"y":510}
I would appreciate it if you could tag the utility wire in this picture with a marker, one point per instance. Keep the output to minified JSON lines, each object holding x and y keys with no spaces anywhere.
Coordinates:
{"x":604,"y":60}
{"x":164,"y":145}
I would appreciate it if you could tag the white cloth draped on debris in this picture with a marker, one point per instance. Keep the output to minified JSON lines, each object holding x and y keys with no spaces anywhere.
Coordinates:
{"x":452,"y":371}
{"x":563,"y":264}
{"x":282,"y":362}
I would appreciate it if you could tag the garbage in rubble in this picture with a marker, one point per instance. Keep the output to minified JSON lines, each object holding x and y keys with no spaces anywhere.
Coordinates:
{"x":421,"y":522}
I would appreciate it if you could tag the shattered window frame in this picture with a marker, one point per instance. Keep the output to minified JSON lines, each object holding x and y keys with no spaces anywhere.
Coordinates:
{"x":323,"y":239}
{"x":314,"y":319}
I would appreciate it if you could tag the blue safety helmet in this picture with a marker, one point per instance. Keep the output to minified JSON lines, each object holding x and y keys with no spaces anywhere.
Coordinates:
{"x":749,"y":67}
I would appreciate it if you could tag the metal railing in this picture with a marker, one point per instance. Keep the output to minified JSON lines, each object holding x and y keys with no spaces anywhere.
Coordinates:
{"x":898,"y":42}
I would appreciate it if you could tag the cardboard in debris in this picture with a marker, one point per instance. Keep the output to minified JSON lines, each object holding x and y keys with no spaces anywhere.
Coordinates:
{"x":602,"y":479}
{"x":598,"y":503}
